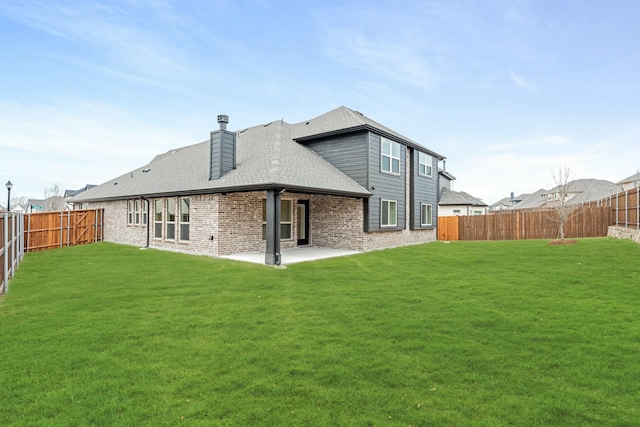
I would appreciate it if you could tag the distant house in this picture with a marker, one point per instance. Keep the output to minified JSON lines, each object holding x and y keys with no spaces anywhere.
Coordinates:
{"x":18,"y":209}
{"x":459,"y":203}
{"x":580,"y":191}
{"x":508,"y":202}
{"x":340,"y":180}
{"x":523,"y":201}
{"x":50,"y":204}
{"x":629,"y":183}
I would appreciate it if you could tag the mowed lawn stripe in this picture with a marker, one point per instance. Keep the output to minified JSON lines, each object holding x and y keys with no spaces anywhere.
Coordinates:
{"x":466,"y":333}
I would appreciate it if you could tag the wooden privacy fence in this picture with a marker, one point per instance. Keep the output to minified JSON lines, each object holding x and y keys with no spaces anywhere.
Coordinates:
{"x":12,"y":249}
{"x":625,"y":207}
{"x":47,"y":230}
{"x":586,"y":221}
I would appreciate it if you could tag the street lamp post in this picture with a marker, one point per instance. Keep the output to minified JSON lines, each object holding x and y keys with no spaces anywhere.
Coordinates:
{"x":9,"y":186}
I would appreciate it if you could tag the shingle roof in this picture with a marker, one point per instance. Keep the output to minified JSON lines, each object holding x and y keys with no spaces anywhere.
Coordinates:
{"x":632,"y":178}
{"x":449,"y":197}
{"x":344,"y":119}
{"x":267,"y":156}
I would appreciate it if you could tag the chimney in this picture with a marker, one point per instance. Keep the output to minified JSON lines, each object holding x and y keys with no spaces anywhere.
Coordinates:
{"x":222,"y":150}
{"x":512,"y":196}
{"x":223,"y":120}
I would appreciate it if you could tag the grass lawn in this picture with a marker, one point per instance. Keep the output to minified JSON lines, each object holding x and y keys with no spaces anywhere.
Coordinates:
{"x":466,"y":333}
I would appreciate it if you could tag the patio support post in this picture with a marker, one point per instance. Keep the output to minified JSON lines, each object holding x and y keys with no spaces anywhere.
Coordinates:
{"x":272,"y":255}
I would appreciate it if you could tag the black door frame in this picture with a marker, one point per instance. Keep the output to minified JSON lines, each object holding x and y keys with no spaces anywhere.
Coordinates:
{"x":305,"y":239}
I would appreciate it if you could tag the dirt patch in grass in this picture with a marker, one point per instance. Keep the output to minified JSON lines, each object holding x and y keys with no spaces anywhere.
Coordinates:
{"x":563,"y":242}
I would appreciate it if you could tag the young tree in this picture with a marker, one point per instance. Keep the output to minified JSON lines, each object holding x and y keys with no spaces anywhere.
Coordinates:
{"x":563,"y":210}
{"x":52,"y":198}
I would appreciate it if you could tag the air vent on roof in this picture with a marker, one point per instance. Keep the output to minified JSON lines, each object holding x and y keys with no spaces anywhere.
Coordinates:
{"x":146,"y":170}
{"x":223,"y":119}
{"x":267,"y":124}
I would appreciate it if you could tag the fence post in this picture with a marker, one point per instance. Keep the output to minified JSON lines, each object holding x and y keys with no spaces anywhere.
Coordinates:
{"x":5,"y":247}
{"x":21,"y":237}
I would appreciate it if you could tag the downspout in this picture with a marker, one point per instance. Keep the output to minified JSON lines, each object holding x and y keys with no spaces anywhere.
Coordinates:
{"x":148,"y":219}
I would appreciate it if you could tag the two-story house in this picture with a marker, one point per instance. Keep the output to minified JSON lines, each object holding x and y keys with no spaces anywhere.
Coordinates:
{"x":340,"y":180}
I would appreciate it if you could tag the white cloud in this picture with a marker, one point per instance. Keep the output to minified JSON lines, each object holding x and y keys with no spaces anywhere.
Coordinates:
{"x":73,"y":143}
{"x":521,"y":81}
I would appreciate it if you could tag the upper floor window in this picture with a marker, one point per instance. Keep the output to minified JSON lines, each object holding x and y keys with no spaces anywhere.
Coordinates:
{"x":389,"y":156}
{"x":425,"y":164}
{"x":388,"y":213}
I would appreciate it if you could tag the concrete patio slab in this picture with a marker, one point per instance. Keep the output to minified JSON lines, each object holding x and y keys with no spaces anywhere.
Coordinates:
{"x":292,"y":256}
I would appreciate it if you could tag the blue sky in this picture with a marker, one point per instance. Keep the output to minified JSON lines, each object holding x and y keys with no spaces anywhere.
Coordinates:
{"x":507,"y":90}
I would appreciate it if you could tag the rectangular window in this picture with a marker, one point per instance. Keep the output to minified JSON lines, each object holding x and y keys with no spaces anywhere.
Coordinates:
{"x":184,"y":218}
{"x":389,"y":156}
{"x":389,"y":213}
{"x":136,"y":204}
{"x":426,"y":215}
{"x":286,"y":222}
{"x":157,"y":218}
{"x":129,"y":211}
{"x":171,"y":219}
{"x":425,"y":164}
{"x":144,"y":211}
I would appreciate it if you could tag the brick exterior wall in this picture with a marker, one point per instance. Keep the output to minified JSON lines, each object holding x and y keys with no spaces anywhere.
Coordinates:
{"x":231,"y":223}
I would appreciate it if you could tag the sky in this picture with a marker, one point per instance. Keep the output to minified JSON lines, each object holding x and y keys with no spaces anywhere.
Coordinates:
{"x":509,"y":91}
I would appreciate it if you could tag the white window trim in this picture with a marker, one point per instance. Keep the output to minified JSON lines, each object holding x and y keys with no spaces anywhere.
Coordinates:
{"x":428,"y":164}
{"x":430,"y":218}
{"x":129,"y":212}
{"x":390,"y":156}
{"x":155,"y":221}
{"x":290,"y":223}
{"x":180,"y":214}
{"x":171,"y":201}
{"x":389,"y":202}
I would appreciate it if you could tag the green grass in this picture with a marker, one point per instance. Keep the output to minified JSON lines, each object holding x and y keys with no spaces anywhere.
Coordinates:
{"x":466,"y":333}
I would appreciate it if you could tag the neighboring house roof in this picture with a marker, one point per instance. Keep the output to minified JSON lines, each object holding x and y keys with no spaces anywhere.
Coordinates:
{"x":589,"y":190}
{"x":446,"y":174}
{"x":510,"y":202}
{"x":267,"y":156}
{"x":53,"y":203}
{"x":71,"y":193}
{"x":530,"y":201}
{"x":635,"y":178}
{"x":449,"y":197}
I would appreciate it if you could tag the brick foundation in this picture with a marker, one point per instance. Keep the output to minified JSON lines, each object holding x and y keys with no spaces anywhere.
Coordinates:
{"x":231,"y":223}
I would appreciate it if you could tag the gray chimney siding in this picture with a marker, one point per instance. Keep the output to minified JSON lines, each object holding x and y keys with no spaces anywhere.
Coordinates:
{"x":223,"y":153}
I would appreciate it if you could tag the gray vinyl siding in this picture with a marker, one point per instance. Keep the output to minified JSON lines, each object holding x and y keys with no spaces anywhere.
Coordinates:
{"x":385,"y":186}
{"x":223,"y":153}
{"x":348,"y":153}
{"x":424,"y":190}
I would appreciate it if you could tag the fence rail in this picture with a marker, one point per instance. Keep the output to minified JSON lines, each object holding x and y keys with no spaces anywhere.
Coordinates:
{"x":586,"y":221}
{"x":47,"y":230}
{"x":12,"y":250}
{"x":626,"y":208}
